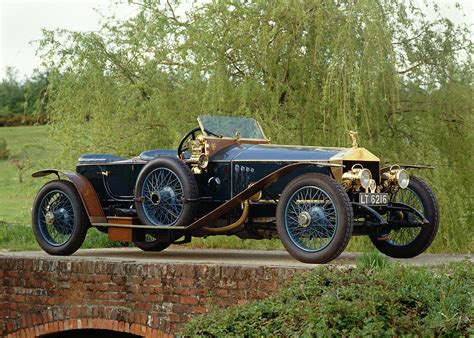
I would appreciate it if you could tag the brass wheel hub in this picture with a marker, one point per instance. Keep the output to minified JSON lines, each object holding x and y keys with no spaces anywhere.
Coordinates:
{"x":49,"y":218}
{"x":304,"y":219}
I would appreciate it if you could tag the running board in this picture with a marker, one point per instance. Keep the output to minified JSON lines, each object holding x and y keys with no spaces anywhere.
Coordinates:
{"x":140,"y":226}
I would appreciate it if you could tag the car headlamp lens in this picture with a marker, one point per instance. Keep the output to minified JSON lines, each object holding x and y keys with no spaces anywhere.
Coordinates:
{"x":364,"y":177}
{"x":403,"y":178}
{"x":203,"y":161}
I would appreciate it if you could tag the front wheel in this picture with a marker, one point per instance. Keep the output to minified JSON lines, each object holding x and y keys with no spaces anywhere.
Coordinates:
{"x":410,"y":242}
{"x":314,"y":218}
{"x":59,"y":220}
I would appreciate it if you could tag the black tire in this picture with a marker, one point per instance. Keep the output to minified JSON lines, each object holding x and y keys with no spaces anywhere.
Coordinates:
{"x":152,"y":245}
{"x":59,"y":220}
{"x":428,"y":232}
{"x":339,"y":205}
{"x":182,"y":185}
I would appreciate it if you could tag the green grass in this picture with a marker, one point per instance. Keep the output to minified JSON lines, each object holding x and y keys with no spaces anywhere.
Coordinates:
{"x":15,"y":237}
{"x":374,"y":299}
{"x":31,"y":147}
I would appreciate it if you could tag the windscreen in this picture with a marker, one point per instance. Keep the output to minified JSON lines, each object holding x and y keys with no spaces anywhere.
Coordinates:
{"x":228,"y":126}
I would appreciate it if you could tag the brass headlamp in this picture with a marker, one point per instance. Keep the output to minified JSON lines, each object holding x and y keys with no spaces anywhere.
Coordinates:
{"x":199,"y":154}
{"x":395,"y":178}
{"x":356,"y":178}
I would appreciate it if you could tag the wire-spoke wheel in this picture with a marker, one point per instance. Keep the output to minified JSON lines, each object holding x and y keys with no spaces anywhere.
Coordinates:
{"x":314,"y":218}
{"x":311,"y":219}
{"x":404,"y":236}
{"x":408,"y":242}
{"x":59,"y":220}
{"x":163,"y":196}
{"x":165,"y":192}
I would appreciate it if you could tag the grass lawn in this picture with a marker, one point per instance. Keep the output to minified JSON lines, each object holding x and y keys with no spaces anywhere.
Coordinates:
{"x":30,"y":148}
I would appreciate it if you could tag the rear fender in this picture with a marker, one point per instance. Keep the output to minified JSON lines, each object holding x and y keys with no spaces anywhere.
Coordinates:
{"x":86,"y":192}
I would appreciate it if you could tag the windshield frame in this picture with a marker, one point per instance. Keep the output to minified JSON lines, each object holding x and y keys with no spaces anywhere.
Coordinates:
{"x":264,"y":139}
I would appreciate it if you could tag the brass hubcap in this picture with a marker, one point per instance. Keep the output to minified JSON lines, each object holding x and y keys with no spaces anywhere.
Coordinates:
{"x":304,"y":219}
{"x":49,"y":218}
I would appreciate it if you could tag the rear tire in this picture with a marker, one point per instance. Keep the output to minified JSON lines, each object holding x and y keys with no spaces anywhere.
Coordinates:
{"x":59,"y":220}
{"x":151,"y":244}
{"x":421,"y":241}
{"x":314,"y":218}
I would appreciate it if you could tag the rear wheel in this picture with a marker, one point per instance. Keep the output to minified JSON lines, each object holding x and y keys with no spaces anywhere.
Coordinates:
{"x":151,"y":243}
{"x":59,"y":220}
{"x":410,"y":242}
{"x":314,"y":218}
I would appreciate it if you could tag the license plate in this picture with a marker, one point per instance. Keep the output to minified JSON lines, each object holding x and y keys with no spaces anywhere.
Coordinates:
{"x":373,"y":198}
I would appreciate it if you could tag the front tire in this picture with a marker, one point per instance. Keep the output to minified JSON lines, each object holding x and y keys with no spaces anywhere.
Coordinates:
{"x":314,"y":218}
{"x":410,"y":242}
{"x":59,"y":220}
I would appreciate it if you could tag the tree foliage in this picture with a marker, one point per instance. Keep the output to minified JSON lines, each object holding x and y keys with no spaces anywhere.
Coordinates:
{"x":309,"y":71}
{"x":26,"y":97}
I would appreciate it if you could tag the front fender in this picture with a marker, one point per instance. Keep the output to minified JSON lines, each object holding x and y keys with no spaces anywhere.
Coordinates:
{"x":86,"y":192}
{"x":407,"y":166}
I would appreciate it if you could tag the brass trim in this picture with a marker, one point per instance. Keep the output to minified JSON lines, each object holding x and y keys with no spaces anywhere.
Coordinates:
{"x":312,"y":162}
{"x":353,"y":135}
{"x":309,"y":147}
{"x":257,"y":197}
{"x":354,"y":154}
{"x":350,"y":154}
{"x":239,"y":222}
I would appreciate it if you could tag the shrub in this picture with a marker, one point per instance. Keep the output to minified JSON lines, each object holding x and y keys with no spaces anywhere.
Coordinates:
{"x":388,"y":300}
{"x":4,"y":152}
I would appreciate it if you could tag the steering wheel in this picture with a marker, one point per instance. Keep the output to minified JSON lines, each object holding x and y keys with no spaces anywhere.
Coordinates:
{"x":181,"y":147}
{"x":192,"y":134}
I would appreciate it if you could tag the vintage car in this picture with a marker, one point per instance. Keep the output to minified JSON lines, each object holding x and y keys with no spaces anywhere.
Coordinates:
{"x":225,"y":178}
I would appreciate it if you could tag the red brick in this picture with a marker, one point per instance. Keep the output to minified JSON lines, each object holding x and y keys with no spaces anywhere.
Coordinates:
{"x":188,"y":300}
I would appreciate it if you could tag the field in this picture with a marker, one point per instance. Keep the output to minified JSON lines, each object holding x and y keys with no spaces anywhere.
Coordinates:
{"x":30,"y":148}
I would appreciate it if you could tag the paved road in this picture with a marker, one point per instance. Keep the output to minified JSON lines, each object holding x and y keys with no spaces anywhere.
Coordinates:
{"x":223,"y":256}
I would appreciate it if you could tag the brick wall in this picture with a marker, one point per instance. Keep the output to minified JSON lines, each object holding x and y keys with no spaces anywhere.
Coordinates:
{"x":41,"y":296}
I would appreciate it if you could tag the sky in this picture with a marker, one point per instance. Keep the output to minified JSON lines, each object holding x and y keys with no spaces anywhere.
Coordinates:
{"x":21,"y":22}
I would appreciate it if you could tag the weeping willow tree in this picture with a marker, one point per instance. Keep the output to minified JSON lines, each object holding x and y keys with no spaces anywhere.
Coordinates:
{"x":308,"y":70}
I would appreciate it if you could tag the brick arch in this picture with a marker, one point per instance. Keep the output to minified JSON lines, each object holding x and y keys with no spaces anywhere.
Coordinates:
{"x":88,"y":323}
{"x":42,"y":294}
